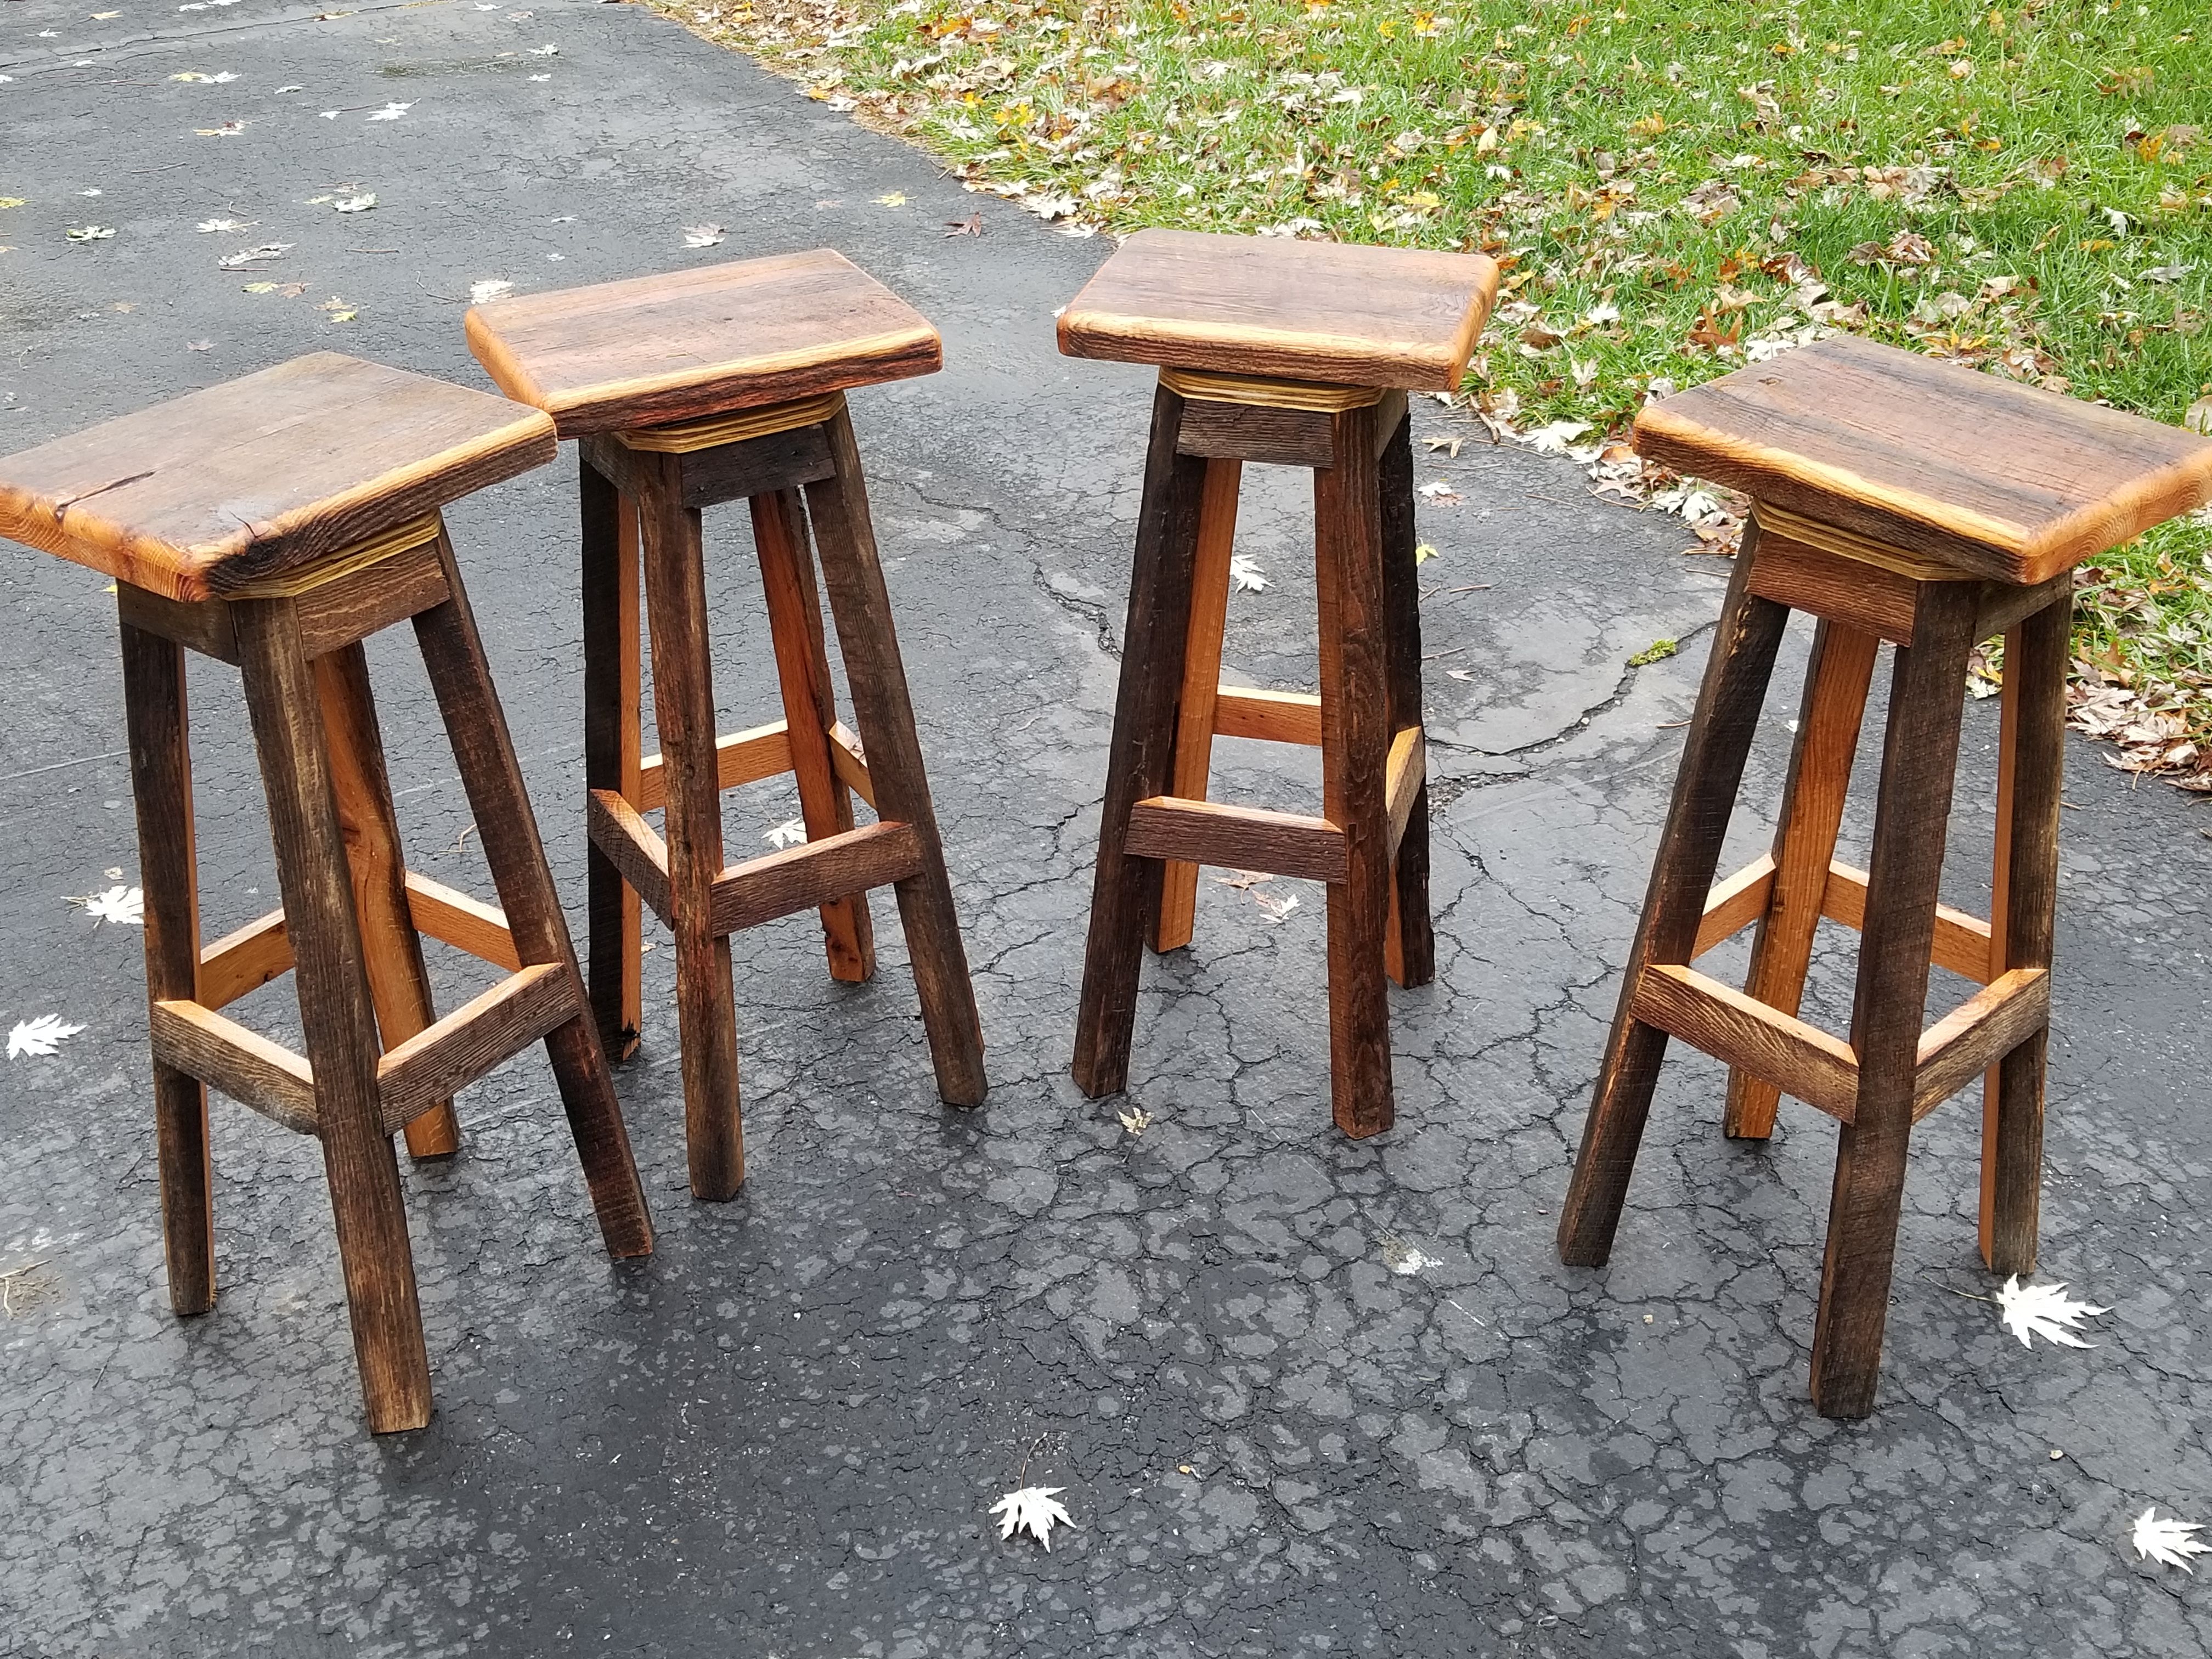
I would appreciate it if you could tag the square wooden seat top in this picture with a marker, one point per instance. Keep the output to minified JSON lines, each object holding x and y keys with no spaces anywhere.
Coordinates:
{"x":222,"y":492}
{"x":1986,"y":475}
{"x":659,"y":350}
{"x":1330,"y":313}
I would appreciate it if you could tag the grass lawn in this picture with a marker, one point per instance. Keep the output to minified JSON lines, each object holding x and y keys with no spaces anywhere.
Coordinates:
{"x":1673,"y":187}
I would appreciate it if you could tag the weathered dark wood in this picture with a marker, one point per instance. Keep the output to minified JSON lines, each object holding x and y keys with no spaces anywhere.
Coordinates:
{"x":1234,"y":837}
{"x":1410,"y":954}
{"x":151,"y":498}
{"x":2036,"y":655}
{"x":1140,"y":761}
{"x":335,"y":1016}
{"x":803,"y":878}
{"x":636,"y":851}
{"x":1340,"y":313}
{"x":1730,"y":1026}
{"x":477,"y":1036}
{"x":200,"y":625}
{"x":1201,"y":682}
{"x":1718,"y":743}
{"x":399,"y":984}
{"x":1836,"y":681}
{"x":883,"y":710}
{"x":756,"y":466}
{"x":1861,"y":597}
{"x":161,"y":788}
{"x":613,"y":745}
{"x":485,"y":755}
{"x":1979,"y":1034}
{"x":810,"y":709}
{"x":1356,"y":730}
{"x":337,"y":613}
{"x":655,"y":350}
{"x":1247,"y":432}
{"x":254,"y":1072}
{"x":1927,"y":696}
{"x":1998,"y":478}
{"x":683,"y":700}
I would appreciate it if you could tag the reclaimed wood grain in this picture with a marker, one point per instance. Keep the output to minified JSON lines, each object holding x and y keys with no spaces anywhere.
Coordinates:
{"x":1196,"y":720}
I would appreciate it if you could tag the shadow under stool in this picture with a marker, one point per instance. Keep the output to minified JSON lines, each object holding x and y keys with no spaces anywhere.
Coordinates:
{"x":691,"y":390}
{"x":1299,"y":353}
{"x":1903,"y":500}
{"x":273,"y":523}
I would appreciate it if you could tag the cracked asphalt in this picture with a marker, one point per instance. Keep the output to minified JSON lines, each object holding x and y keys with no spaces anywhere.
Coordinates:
{"x":779,"y":1435}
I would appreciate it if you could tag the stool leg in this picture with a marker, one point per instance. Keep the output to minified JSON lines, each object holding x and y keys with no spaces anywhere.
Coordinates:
{"x":1713,"y":758}
{"x":1355,"y":751}
{"x":684,"y":701}
{"x":336,"y":1015}
{"x":1201,"y":686}
{"x":2034,"y":776}
{"x":881,"y":704}
{"x":475,"y":726}
{"x":399,"y":984}
{"x":161,"y":786}
{"x":613,"y":751}
{"x":1836,"y":682}
{"x":1928,"y":689}
{"x":810,"y":709}
{"x":1141,"y":759}
{"x":1409,"y":948}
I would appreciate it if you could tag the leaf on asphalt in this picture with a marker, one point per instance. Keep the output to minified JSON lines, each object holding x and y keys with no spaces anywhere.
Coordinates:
{"x":971,"y":225}
{"x":253,"y":256}
{"x":1245,"y":574}
{"x":11,"y":201}
{"x":42,"y":1035}
{"x":1406,"y":1260}
{"x":389,"y":112}
{"x":1034,"y":1510}
{"x":89,"y":232}
{"x":1275,"y":910}
{"x":209,"y":227}
{"x":891,"y":198}
{"x":123,"y":906}
{"x":2168,"y":1542}
{"x":792,"y":832}
{"x":223,"y":79}
{"x":546,"y":51}
{"x":1439,"y":490}
{"x":1450,"y":446}
{"x":702,"y":235}
{"x":338,"y":310}
{"x":491,"y":289}
{"x":227,"y":129}
{"x":1136,"y":1121}
{"x":360,"y":204}
{"x":2045,"y":1310}
{"x":1425,"y":552}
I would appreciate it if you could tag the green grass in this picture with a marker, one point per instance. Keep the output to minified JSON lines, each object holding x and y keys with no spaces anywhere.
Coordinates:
{"x":1669,"y":185}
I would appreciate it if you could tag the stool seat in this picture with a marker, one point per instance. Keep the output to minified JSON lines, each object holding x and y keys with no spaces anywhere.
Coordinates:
{"x":1326,"y":312}
{"x":222,"y":492}
{"x":1997,"y":479}
{"x":653,"y":351}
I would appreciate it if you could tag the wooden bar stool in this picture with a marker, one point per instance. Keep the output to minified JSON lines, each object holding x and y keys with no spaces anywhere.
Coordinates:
{"x":691,"y":390}
{"x":274,"y":522}
{"x":1901,"y":499}
{"x":1299,"y":354}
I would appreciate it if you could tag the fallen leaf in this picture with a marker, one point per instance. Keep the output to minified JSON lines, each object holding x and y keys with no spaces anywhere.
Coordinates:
{"x":253,"y":255}
{"x":493,"y":288}
{"x":1425,"y":552}
{"x":2046,"y":1310}
{"x":123,"y":906}
{"x":1136,"y":1121}
{"x":2168,"y":1542}
{"x":390,"y":113}
{"x":2167,"y":273}
{"x":702,"y":235}
{"x":41,"y":1036}
{"x":227,"y":129}
{"x":207,"y":227}
{"x":1437,"y":490}
{"x":792,"y":832}
{"x":2199,"y":418}
{"x":1406,"y":1260}
{"x":1450,"y":446}
{"x":1245,"y":574}
{"x":1275,"y":910}
{"x":199,"y":345}
{"x":89,"y":232}
{"x":12,"y":201}
{"x":971,"y":225}
{"x":891,"y":198}
{"x":1036,"y":1510}
{"x":355,"y":203}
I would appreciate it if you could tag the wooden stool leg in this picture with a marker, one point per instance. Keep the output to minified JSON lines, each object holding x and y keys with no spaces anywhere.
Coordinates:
{"x":1409,"y":949}
{"x":399,"y":984}
{"x":2032,"y":779}
{"x":684,"y":702}
{"x":336,"y":1015}
{"x":1202,"y":685}
{"x":884,"y":711}
{"x":810,"y":709}
{"x":1355,"y":750}
{"x":1713,"y":758}
{"x":1125,"y":891}
{"x":613,"y":752}
{"x":1919,"y":754}
{"x":1836,"y":682}
{"x":475,"y":724}
{"x":161,"y":784}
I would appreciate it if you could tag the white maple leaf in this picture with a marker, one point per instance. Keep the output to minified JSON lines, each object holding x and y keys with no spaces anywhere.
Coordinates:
{"x":390,"y":113}
{"x":1033,"y":1509}
{"x":1276,"y":909}
{"x":1555,"y":438}
{"x":41,"y":1036}
{"x":208,"y":226}
{"x":1136,"y":1121}
{"x":2046,"y":1310}
{"x":1245,"y":576}
{"x":124,"y":906}
{"x":702,"y":235}
{"x":360,"y":204}
{"x":792,"y":832}
{"x":2168,"y":1542}
{"x":492,"y":288}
